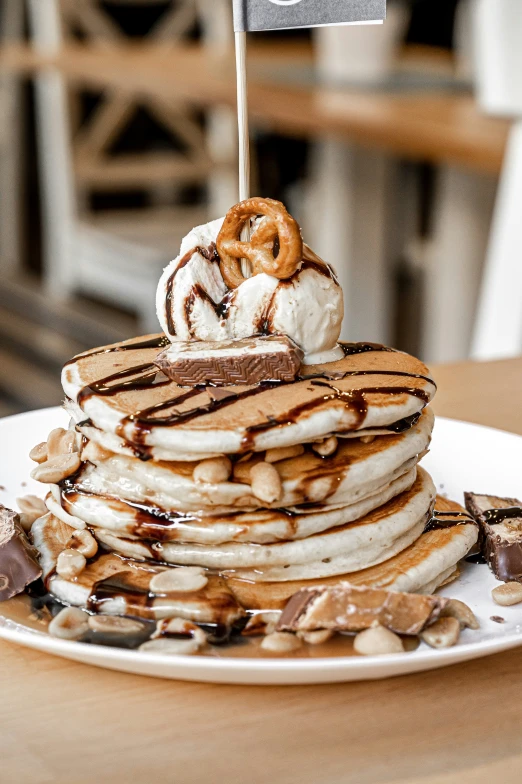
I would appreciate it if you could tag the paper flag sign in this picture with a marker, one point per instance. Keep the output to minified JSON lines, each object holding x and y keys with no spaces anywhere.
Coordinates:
{"x":251,"y":15}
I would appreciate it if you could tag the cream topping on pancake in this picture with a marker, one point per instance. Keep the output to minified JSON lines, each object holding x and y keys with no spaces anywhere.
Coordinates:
{"x":119,"y":388}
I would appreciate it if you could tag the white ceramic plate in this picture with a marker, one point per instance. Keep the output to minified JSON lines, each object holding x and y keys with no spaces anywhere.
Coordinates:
{"x":463,"y":457}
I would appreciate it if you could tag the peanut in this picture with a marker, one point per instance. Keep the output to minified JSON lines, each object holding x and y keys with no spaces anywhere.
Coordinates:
{"x":266,"y":483}
{"x":507,"y":594}
{"x":70,"y":624}
{"x":162,"y":643}
{"x":377,"y":641}
{"x":316,"y":638}
{"x":70,"y":564}
{"x":57,"y":469}
{"x":281,"y":642}
{"x":113,"y":624}
{"x":326,"y":447}
{"x":83,"y":542}
{"x":213,"y":471}
{"x":31,"y":508}
{"x":442,"y":634}
{"x":60,"y":442}
{"x":464,"y":615}
{"x":39,"y":453}
{"x":183,"y":579}
{"x":283,"y":453}
{"x":262,"y":623}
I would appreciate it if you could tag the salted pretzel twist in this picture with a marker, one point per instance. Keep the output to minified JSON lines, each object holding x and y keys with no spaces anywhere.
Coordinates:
{"x":277,"y":224}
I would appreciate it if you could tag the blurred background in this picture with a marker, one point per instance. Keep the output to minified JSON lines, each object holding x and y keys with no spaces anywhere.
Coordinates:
{"x":398,"y":148}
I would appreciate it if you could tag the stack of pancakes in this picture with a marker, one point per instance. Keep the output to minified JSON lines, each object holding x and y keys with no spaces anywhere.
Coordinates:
{"x":361,"y":514}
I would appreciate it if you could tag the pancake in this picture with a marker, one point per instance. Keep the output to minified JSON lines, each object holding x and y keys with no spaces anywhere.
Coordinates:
{"x":422,"y":567}
{"x":350,"y":547}
{"x":121,"y":391}
{"x":255,"y":527}
{"x":353,"y":473}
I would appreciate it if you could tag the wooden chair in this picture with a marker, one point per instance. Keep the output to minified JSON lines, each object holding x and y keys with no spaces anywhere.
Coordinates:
{"x":115,"y":257}
{"x":11,"y":127}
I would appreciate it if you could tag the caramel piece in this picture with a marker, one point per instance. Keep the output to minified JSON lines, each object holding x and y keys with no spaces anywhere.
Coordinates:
{"x":18,"y":559}
{"x":347,"y":608}
{"x":500,"y":521}
{"x":229,"y":362}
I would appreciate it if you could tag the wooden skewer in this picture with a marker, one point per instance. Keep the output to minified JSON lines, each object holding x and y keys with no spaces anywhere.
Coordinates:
{"x":244,"y":135}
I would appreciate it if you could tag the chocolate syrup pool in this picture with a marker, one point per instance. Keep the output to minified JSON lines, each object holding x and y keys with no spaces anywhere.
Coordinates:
{"x":23,"y":610}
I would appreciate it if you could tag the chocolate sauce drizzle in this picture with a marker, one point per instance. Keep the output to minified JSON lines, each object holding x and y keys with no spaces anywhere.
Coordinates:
{"x":441,"y":520}
{"x":264,"y":322}
{"x":497,"y":516}
{"x":210,"y":254}
{"x":157,"y":341}
{"x":147,"y":376}
{"x":141,"y":377}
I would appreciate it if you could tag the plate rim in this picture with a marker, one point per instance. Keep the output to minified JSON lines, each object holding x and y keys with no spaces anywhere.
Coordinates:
{"x":101,"y":655}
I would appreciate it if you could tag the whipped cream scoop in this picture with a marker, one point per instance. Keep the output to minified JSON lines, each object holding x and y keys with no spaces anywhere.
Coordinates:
{"x":194,"y":302}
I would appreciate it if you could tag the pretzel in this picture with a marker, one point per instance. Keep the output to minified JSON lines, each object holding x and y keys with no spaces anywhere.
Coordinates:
{"x":277,"y":225}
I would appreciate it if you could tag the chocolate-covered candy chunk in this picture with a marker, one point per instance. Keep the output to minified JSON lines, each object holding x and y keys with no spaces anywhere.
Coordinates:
{"x":18,"y":559}
{"x":348,"y":608}
{"x":227,"y":362}
{"x":500,"y":521}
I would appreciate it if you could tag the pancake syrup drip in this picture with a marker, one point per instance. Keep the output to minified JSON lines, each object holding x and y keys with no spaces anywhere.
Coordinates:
{"x":147,"y":376}
{"x":153,"y":523}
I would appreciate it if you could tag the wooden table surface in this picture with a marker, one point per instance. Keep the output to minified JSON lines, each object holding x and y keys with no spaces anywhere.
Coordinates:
{"x":67,"y":723}
{"x":438,"y":126}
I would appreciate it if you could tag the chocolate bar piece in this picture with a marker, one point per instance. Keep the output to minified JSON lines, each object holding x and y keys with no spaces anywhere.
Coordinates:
{"x":18,"y":559}
{"x":228,"y":362}
{"x":500,"y":521}
{"x":347,"y":608}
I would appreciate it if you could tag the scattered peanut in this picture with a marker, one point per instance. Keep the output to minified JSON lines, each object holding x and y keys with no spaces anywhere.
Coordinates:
{"x":70,"y":564}
{"x":169,"y":646}
{"x":507,"y":594}
{"x":318,"y":489}
{"x":113,"y":624}
{"x":213,"y":470}
{"x":83,"y":542}
{"x":60,"y":442}
{"x":316,"y":638}
{"x":39,"y":453}
{"x":283,"y":453}
{"x":442,"y":634}
{"x":194,"y":641}
{"x":262,"y":623}
{"x":57,"y":469}
{"x":70,"y":624}
{"x":281,"y":642}
{"x":326,"y":447}
{"x":464,"y":615}
{"x":31,"y":508}
{"x":377,"y":641}
{"x":183,"y":579}
{"x":266,"y":483}
{"x":367,"y":439}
